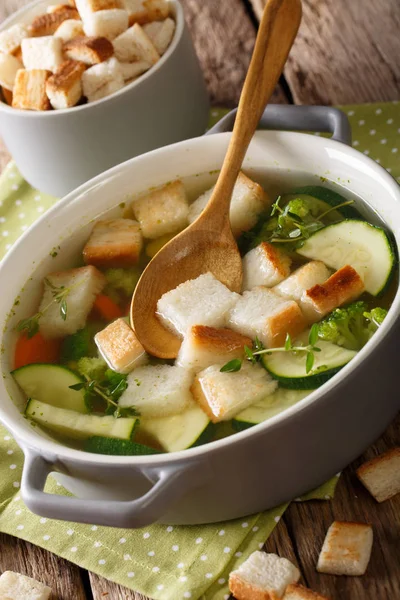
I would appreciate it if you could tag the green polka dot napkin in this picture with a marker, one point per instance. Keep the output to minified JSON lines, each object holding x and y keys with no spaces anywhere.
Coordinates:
{"x":163,"y":562}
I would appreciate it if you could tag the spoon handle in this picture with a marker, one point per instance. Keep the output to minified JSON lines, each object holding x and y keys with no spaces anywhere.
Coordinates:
{"x":277,"y":31}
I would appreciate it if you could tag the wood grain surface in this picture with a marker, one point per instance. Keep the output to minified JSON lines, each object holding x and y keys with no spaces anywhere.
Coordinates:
{"x":347,"y":51}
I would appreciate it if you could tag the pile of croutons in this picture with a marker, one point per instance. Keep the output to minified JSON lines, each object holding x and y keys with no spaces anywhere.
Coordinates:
{"x":82,"y":51}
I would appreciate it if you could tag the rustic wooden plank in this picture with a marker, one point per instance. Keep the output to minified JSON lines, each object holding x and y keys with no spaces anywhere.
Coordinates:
{"x":102,"y":589}
{"x":345,"y":52}
{"x":62,"y":576}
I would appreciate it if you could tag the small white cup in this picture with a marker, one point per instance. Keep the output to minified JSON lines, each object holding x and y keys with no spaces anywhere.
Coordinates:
{"x":56,"y":151}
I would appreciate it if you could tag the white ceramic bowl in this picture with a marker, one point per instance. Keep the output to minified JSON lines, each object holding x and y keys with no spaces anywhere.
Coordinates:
{"x":58,"y":150}
{"x":253,"y":470}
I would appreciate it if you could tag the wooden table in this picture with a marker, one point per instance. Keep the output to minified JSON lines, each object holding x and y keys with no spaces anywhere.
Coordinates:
{"x":346,"y":52}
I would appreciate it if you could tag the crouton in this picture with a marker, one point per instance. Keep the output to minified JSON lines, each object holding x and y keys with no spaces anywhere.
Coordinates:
{"x":295,"y":591}
{"x":119,"y":347}
{"x":262,"y":577}
{"x":87,"y":7}
{"x":54,"y":8}
{"x":160,"y":33}
{"x":343,"y":286}
{"x":11,"y":38}
{"x":14,"y":586}
{"x":223,"y":395}
{"x":106,"y":90}
{"x":113,"y":243}
{"x":346,"y":549}
{"x":93,"y":80}
{"x":262,"y":313}
{"x":48,"y":23}
{"x":89,"y":50}
{"x":7,"y":96}
{"x":106,"y":23}
{"x":144,"y":11}
{"x":83,"y":285}
{"x":381,"y":475}
{"x":9,"y":65}
{"x":204,"y":346}
{"x":29,"y":91}
{"x":69,"y":29}
{"x":200,"y":301}
{"x":42,"y":53}
{"x":305,"y":277}
{"x":131,"y":71}
{"x":64,"y":88}
{"x":249,"y":200}
{"x":158,"y":390}
{"x":134,"y":45}
{"x":265,"y":265}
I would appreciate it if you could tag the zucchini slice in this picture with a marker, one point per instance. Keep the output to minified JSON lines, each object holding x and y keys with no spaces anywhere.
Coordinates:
{"x":365,"y":247}
{"x":116,"y":447}
{"x":77,"y":426}
{"x":190,"y":428}
{"x":289,"y":368}
{"x":51,"y":384}
{"x":268,"y":407}
{"x":329,"y":199}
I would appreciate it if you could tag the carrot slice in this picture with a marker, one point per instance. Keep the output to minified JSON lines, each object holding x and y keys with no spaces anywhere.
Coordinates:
{"x":36,"y":350}
{"x":107,"y":308}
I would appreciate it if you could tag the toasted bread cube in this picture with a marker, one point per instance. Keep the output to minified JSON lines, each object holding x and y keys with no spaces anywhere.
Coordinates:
{"x":346,"y":549}
{"x":131,"y":71}
{"x":262,"y":313}
{"x":158,"y":390}
{"x":7,"y":96}
{"x":89,"y":50}
{"x":204,"y":346}
{"x":223,"y":395}
{"x":9,"y":65}
{"x":29,"y":91}
{"x":42,"y":53}
{"x":119,"y":347}
{"x":84,"y":284}
{"x":11,"y":38}
{"x":106,"y":90}
{"x":54,"y":8}
{"x":304,"y":278}
{"x":48,"y":23}
{"x":160,"y":33}
{"x":295,"y":591}
{"x":262,"y":577}
{"x":134,"y":45}
{"x":345,"y":285}
{"x":14,"y":586}
{"x":87,"y":7}
{"x":106,"y":23}
{"x":114,"y":243}
{"x":64,"y":88}
{"x":381,"y":475}
{"x":144,"y":11}
{"x":69,"y":29}
{"x":100,"y":75}
{"x":249,"y":200}
{"x":265,"y":265}
{"x":165,"y":210}
{"x":200,"y":301}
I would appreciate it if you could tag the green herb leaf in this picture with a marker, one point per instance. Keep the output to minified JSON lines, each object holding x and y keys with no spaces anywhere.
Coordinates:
{"x":275,"y":206}
{"x":30,"y":325}
{"x":313,"y":335}
{"x":288,"y":342}
{"x":77,"y":386}
{"x":125,"y":411}
{"x":232,"y":366}
{"x":309,"y":361}
{"x":258,"y":345}
{"x":249,"y":355}
{"x":63,"y":309}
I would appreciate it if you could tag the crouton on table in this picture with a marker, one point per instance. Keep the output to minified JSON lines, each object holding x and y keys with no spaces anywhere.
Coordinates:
{"x":42,"y":53}
{"x":113,"y":243}
{"x":29,"y":91}
{"x":160,"y":33}
{"x":133,"y":45}
{"x":200,"y":301}
{"x":64,"y":87}
{"x":262,"y":577}
{"x":345,"y":285}
{"x":295,"y":591}
{"x":119,"y":347}
{"x":204,"y":346}
{"x":249,"y":200}
{"x":106,"y":23}
{"x":158,"y":390}
{"x":262,"y":313}
{"x":265,"y":265}
{"x":14,"y":586}
{"x":11,"y":38}
{"x":302,"y":279}
{"x":346,"y":549}
{"x":47,"y":23}
{"x":222,"y":395}
{"x":84,"y":284}
{"x":69,"y":29}
{"x":381,"y":475}
{"x":162,"y":211}
{"x":9,"y":66}
{"x":89,"y":50}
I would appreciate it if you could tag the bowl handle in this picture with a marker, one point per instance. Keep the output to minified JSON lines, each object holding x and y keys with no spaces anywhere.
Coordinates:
{"x":170,"y":482}
{"x":298,"y":118}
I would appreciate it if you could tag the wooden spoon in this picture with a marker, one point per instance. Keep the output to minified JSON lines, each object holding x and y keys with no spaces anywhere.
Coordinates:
{"x":208,"y":244}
